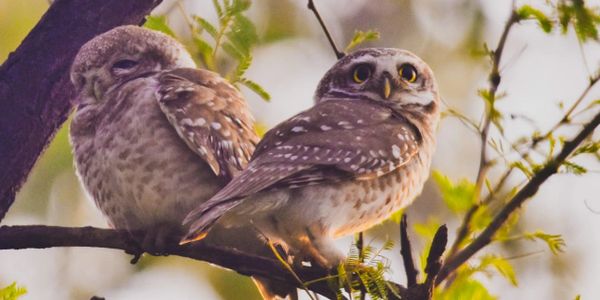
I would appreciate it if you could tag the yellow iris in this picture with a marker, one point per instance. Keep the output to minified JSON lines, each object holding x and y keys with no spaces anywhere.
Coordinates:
{"x":408,"y":73}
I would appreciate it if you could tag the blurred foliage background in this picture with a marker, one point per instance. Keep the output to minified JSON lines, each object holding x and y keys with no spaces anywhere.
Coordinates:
{"x":290,"y":54}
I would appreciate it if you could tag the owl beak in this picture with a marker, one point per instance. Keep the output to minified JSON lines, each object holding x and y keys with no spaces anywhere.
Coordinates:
{"x":387,"y":87}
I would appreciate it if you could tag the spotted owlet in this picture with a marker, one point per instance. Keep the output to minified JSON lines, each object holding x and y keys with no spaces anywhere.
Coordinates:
{"x":153,"y":136}
{"x":361,"y":153}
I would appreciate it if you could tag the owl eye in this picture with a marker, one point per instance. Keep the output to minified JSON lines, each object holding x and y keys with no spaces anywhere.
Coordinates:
{"x":361,"y":73}
{"x":408,"y":73}
{"x":124,"y":64}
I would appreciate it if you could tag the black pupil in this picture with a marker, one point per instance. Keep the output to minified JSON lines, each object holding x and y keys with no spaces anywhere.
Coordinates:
{"x":408,"y":72}
{"x":362,"y":73}
{"x":125,"y":64}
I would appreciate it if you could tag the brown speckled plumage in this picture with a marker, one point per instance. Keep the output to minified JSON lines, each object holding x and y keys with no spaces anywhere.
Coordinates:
{"x":145,"y":136}
{"x":361,"y":153}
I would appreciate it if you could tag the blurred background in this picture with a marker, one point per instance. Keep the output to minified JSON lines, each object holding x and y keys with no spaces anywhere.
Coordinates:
{"x":539,"y":71}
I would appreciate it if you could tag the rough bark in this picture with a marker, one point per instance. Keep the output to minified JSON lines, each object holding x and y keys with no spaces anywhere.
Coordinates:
{"x":35,"y":90}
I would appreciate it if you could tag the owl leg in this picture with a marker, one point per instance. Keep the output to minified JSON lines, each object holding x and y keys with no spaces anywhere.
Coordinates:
{"x":317,"y":248}
{"x":158,"y":239}
{"x":325,"y":253}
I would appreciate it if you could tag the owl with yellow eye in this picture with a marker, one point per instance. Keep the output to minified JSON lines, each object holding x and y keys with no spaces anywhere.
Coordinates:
{"x":362,"y":152}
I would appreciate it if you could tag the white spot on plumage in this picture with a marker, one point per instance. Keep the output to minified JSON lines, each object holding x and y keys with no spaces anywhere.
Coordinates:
{"x":215,"y":125}
{"x":347,"y":159}
{"x":396,"y":151}
{"x":325,"y":127}
{"x":298,"y":129}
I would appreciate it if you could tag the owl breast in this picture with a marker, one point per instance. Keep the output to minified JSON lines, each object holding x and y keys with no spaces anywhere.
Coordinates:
{"x":368,"y":203}
{"x":132,"y":162}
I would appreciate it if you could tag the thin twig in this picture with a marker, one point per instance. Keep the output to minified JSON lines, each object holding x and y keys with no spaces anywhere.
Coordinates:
{"x":361,"y":258}
{"x":528,"y":190}
{"x":406,"y":252}
{"x":339,"y":54}
{"x":494,"y":81}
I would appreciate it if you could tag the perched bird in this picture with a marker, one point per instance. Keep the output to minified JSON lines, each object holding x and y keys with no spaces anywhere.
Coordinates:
{"x":153,"y":136}
{"x":362,"y":152}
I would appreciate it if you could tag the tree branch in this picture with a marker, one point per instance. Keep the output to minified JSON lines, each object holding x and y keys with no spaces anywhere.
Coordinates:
{"x":40,"y":237}
{"x":406,"y":252}
{"x":528,"y":190}
{"x":35,"y":90}
{"x":494,"y":81}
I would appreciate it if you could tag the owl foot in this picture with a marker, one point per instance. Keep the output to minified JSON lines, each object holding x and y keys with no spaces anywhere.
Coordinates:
{"x":318,"y":251}
{"x":159,"y":239}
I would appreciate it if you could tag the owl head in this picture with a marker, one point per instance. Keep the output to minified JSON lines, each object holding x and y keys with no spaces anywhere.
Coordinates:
{"x":123,"y":54}
{"x":397,"y":78}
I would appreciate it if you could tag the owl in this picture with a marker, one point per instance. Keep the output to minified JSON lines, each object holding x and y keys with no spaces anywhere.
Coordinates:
{"x":362,"y":152}
{"x":153,"y":137}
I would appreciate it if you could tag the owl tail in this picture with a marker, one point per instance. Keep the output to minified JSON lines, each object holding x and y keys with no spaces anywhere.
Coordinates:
{"x":201,"y":219}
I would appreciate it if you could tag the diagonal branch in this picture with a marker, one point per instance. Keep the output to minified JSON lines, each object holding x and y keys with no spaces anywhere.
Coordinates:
{"x":550,"y":168}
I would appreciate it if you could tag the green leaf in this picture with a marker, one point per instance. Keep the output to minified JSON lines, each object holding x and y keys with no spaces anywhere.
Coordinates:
{"x":464,"y":288}
{"x":204,"y":24}
{"x":361,"y":37}
{"x":583,"y":19}
{"x":486,"y":95}
{"x":205,"y":51}
{"x":554,"y":241}
{"x":218,"y":8}
{"x":159,"y":23}
{"x":255,"y":88}
{"x":232,"y":51}
{"x":591,"y":147}
{"x":12,"y":292}
{"x":573,"y":168}
{"x":242,"y":34}
{"x":528,"y":12}
{"x":501,"y":265}
{"x":481,"y":218}
{"x":519,"y":165}
{"x":241,"y":68}
{"x":458,"y":196}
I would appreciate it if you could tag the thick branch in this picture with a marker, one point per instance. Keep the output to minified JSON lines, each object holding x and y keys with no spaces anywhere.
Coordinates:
{"x":39,"y":237}
{"x":34,"y":80}
{"x":532,"y":186}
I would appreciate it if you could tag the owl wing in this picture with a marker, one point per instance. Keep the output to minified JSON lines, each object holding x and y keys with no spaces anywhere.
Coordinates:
{"x":211,"y":116}
{"x":335,"y":140}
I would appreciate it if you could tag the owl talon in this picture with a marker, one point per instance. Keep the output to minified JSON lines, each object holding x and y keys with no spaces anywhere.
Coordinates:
{"x":160,"y":239}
